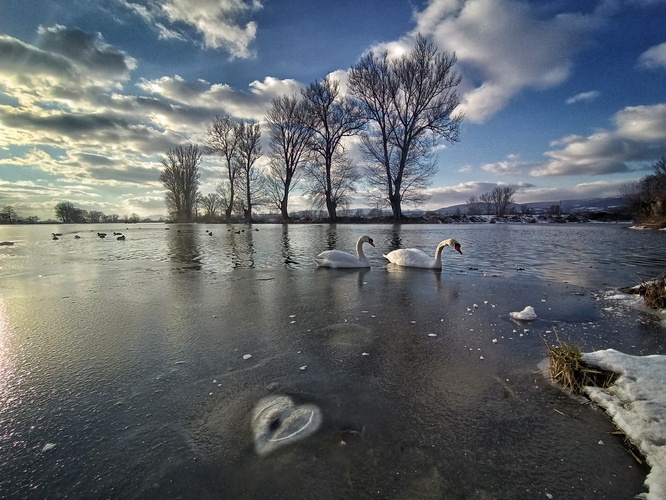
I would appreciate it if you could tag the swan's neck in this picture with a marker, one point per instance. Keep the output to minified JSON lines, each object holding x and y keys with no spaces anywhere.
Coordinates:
{"x":438,"y":254}
{"x":359,"y":250}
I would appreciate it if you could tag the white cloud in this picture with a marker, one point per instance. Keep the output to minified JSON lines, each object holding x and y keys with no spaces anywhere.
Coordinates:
{"x":599,"y":189}
{"x":645,"y":124}
{"x":505,"y":46}
{"x":513,"y":165}
{"x":445,"y":196}
{"x":204,"y":98}
{"x":583,"y":97}
{"x":640,"y":136}
{"x":654,"y":57}
{"x":217,"y":21}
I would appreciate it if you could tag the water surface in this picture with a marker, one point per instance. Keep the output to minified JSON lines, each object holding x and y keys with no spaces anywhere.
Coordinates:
{"x":130,"y":357}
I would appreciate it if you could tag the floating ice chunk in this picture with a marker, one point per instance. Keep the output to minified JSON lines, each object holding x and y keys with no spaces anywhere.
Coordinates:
{"x":247,"y":356}
{"x":277,"y":421}
{"x":526,"y":314}
{"x":48,"y":446}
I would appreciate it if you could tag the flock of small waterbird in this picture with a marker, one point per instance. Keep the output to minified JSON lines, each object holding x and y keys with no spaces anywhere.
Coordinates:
{"x":119,"y":236}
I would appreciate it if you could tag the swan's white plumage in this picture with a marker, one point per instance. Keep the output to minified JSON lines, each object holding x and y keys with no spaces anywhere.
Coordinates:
{"x":414,"y":257}
{"x":340,"y":259}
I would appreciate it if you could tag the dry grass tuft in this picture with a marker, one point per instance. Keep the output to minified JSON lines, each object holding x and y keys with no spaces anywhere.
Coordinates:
{"x":568,"y":369}
{"x":655,"y":293}
{"x":652,"y":291}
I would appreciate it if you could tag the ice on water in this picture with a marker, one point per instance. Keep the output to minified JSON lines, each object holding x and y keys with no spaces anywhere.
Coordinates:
{"x":277,"y":421}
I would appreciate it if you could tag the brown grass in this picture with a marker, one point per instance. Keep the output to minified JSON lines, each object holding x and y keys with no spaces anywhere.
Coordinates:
{"x":568,"y":369}
{"x":655,"y":293}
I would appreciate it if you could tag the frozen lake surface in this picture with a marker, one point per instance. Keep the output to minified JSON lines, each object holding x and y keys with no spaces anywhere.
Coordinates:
{"x":179,"y":364}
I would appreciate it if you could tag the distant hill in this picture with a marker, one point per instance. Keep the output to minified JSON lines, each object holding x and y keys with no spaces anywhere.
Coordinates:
{"x":589,"y":205}
{"x":567,"y":206}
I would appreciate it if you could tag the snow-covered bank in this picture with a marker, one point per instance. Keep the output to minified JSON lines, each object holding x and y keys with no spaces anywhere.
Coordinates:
{"x":637,"y":404}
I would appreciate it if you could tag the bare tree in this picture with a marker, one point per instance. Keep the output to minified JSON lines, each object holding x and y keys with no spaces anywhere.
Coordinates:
{"x":8,"y":215}
{"x":65,"y":211}
{"x":222,"y":139}
{"x":210,"y":203}
{"x":95,"y":216}
{"x":474,"y":206}
{"x":340,"y":181}
{"x":248,"y":152}
{"x":647,"y":197}
{"x":180,"y":177}
{"x":498,"y":200}
{"x":289,"y":139}
{"x":409,"y":104}
{"x":331,"y":118}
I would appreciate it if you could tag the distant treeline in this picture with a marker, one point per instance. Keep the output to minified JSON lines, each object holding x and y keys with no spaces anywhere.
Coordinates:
{"x":67,"y":213}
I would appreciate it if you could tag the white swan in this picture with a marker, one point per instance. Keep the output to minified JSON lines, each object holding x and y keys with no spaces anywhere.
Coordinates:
{"x":413,"y":257}
{"x":338,"y":258}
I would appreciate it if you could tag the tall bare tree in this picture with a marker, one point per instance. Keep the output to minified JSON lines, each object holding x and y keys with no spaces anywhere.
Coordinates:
{"x":289,"y":139}
{"x":335,"y":185}
{"x":223,"y":140}
{"x":474,"y":206}
{"x":498,"y":200}
{"x":331,"y":118}
{"x":409,"y":102}
{"x":210,"y":203}
{"x":248,"y":152}
{"x":180,"y":177}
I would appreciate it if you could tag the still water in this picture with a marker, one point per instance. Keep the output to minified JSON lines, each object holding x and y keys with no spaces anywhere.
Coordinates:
{"x":142,"y":368}
{"x":589,"y":254}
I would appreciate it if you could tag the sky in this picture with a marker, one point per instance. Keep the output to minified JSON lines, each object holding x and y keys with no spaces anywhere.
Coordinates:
{"x":562,"y":99}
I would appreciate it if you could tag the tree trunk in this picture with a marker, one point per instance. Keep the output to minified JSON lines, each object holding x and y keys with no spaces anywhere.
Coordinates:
{"x":283,"y":210}
{"x":230,"y":208}
{"x":330,"y":206}
{"x":396,"y":207}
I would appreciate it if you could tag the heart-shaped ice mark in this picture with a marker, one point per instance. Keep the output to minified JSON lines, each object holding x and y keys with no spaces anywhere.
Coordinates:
{"x":277,"y":421}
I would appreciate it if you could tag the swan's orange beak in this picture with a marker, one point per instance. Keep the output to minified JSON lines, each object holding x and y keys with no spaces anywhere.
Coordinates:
{"x":458,"y":249}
